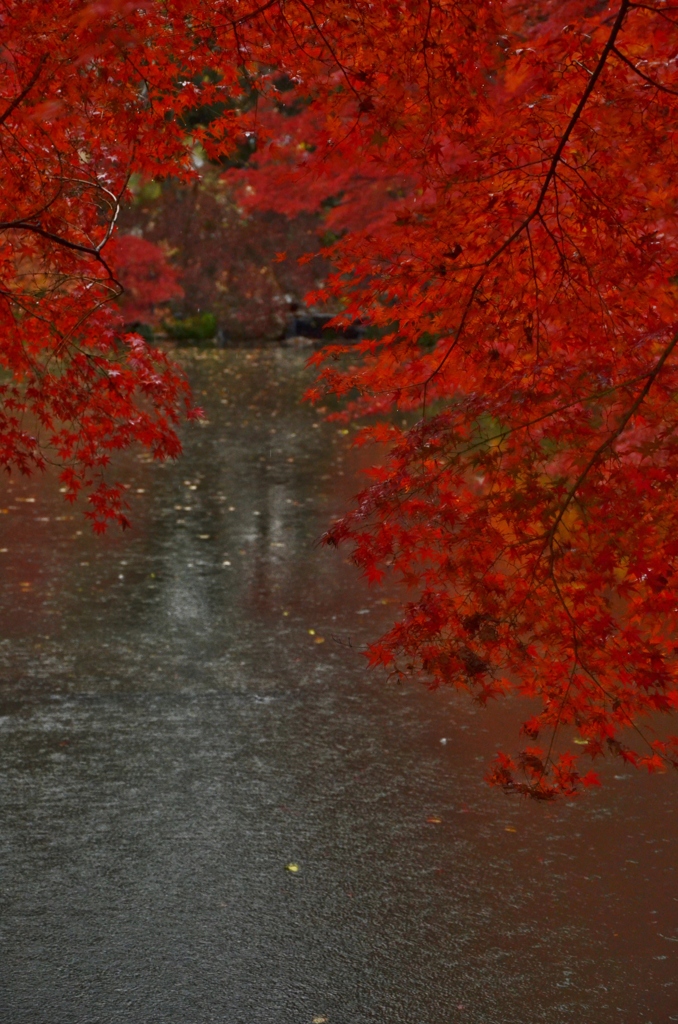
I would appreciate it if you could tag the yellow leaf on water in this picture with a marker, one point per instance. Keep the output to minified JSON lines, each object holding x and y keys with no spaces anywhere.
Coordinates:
{"x":510,"y":828}
{"x":320,"y":1020}
{"x":294,"y":868}
{"x":311,"y":632}
{"x":320,"y":639}
{"x":433,"y":819}
{"x":581,"y":743}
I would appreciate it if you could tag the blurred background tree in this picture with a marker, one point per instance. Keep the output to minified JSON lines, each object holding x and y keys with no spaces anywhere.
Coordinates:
{"x":225,"y":258}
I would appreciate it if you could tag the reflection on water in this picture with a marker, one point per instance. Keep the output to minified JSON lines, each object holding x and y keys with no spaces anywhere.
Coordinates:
{"x":184,"y":711}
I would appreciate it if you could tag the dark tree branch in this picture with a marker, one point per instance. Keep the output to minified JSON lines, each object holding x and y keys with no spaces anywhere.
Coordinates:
{"x":610,"y":439}
{"x":641,"y":74}
{"x":22,"y":225}
{"x":255,"y":13}
{"x":25,"y":91}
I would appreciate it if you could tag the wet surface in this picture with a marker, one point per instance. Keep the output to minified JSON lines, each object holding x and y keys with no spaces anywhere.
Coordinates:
{"x":184,"y":713}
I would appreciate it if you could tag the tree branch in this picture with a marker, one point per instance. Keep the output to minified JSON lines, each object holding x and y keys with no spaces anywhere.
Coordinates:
{"x":255,"y":13}
{"x":25,"y":91}
{"x":22,"y":225}
{"x":650,"y":81}
{"x":611,"y":438}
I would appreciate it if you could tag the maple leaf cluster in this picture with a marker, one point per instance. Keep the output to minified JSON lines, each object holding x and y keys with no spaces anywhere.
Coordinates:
{"x":501,"y":186}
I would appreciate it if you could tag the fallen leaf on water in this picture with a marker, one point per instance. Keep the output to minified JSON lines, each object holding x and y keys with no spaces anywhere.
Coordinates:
{"x":581,"y":743}
{"x":292,"y":867}
{"x":433,"y":819}
{"x":311,"y":632}
{"x":319,"y":1020}
{"x":320,"y":639}
{"x":510,"y":828}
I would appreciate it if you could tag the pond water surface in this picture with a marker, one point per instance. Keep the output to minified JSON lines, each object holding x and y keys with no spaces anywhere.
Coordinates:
{"x":184,"y":712}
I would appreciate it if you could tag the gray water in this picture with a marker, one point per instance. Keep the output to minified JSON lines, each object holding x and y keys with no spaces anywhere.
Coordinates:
{"x":173,"y":736}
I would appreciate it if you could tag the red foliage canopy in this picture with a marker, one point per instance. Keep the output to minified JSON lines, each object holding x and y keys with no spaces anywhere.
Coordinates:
{"x":522,"y":299}
{"x":524,"y":302}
